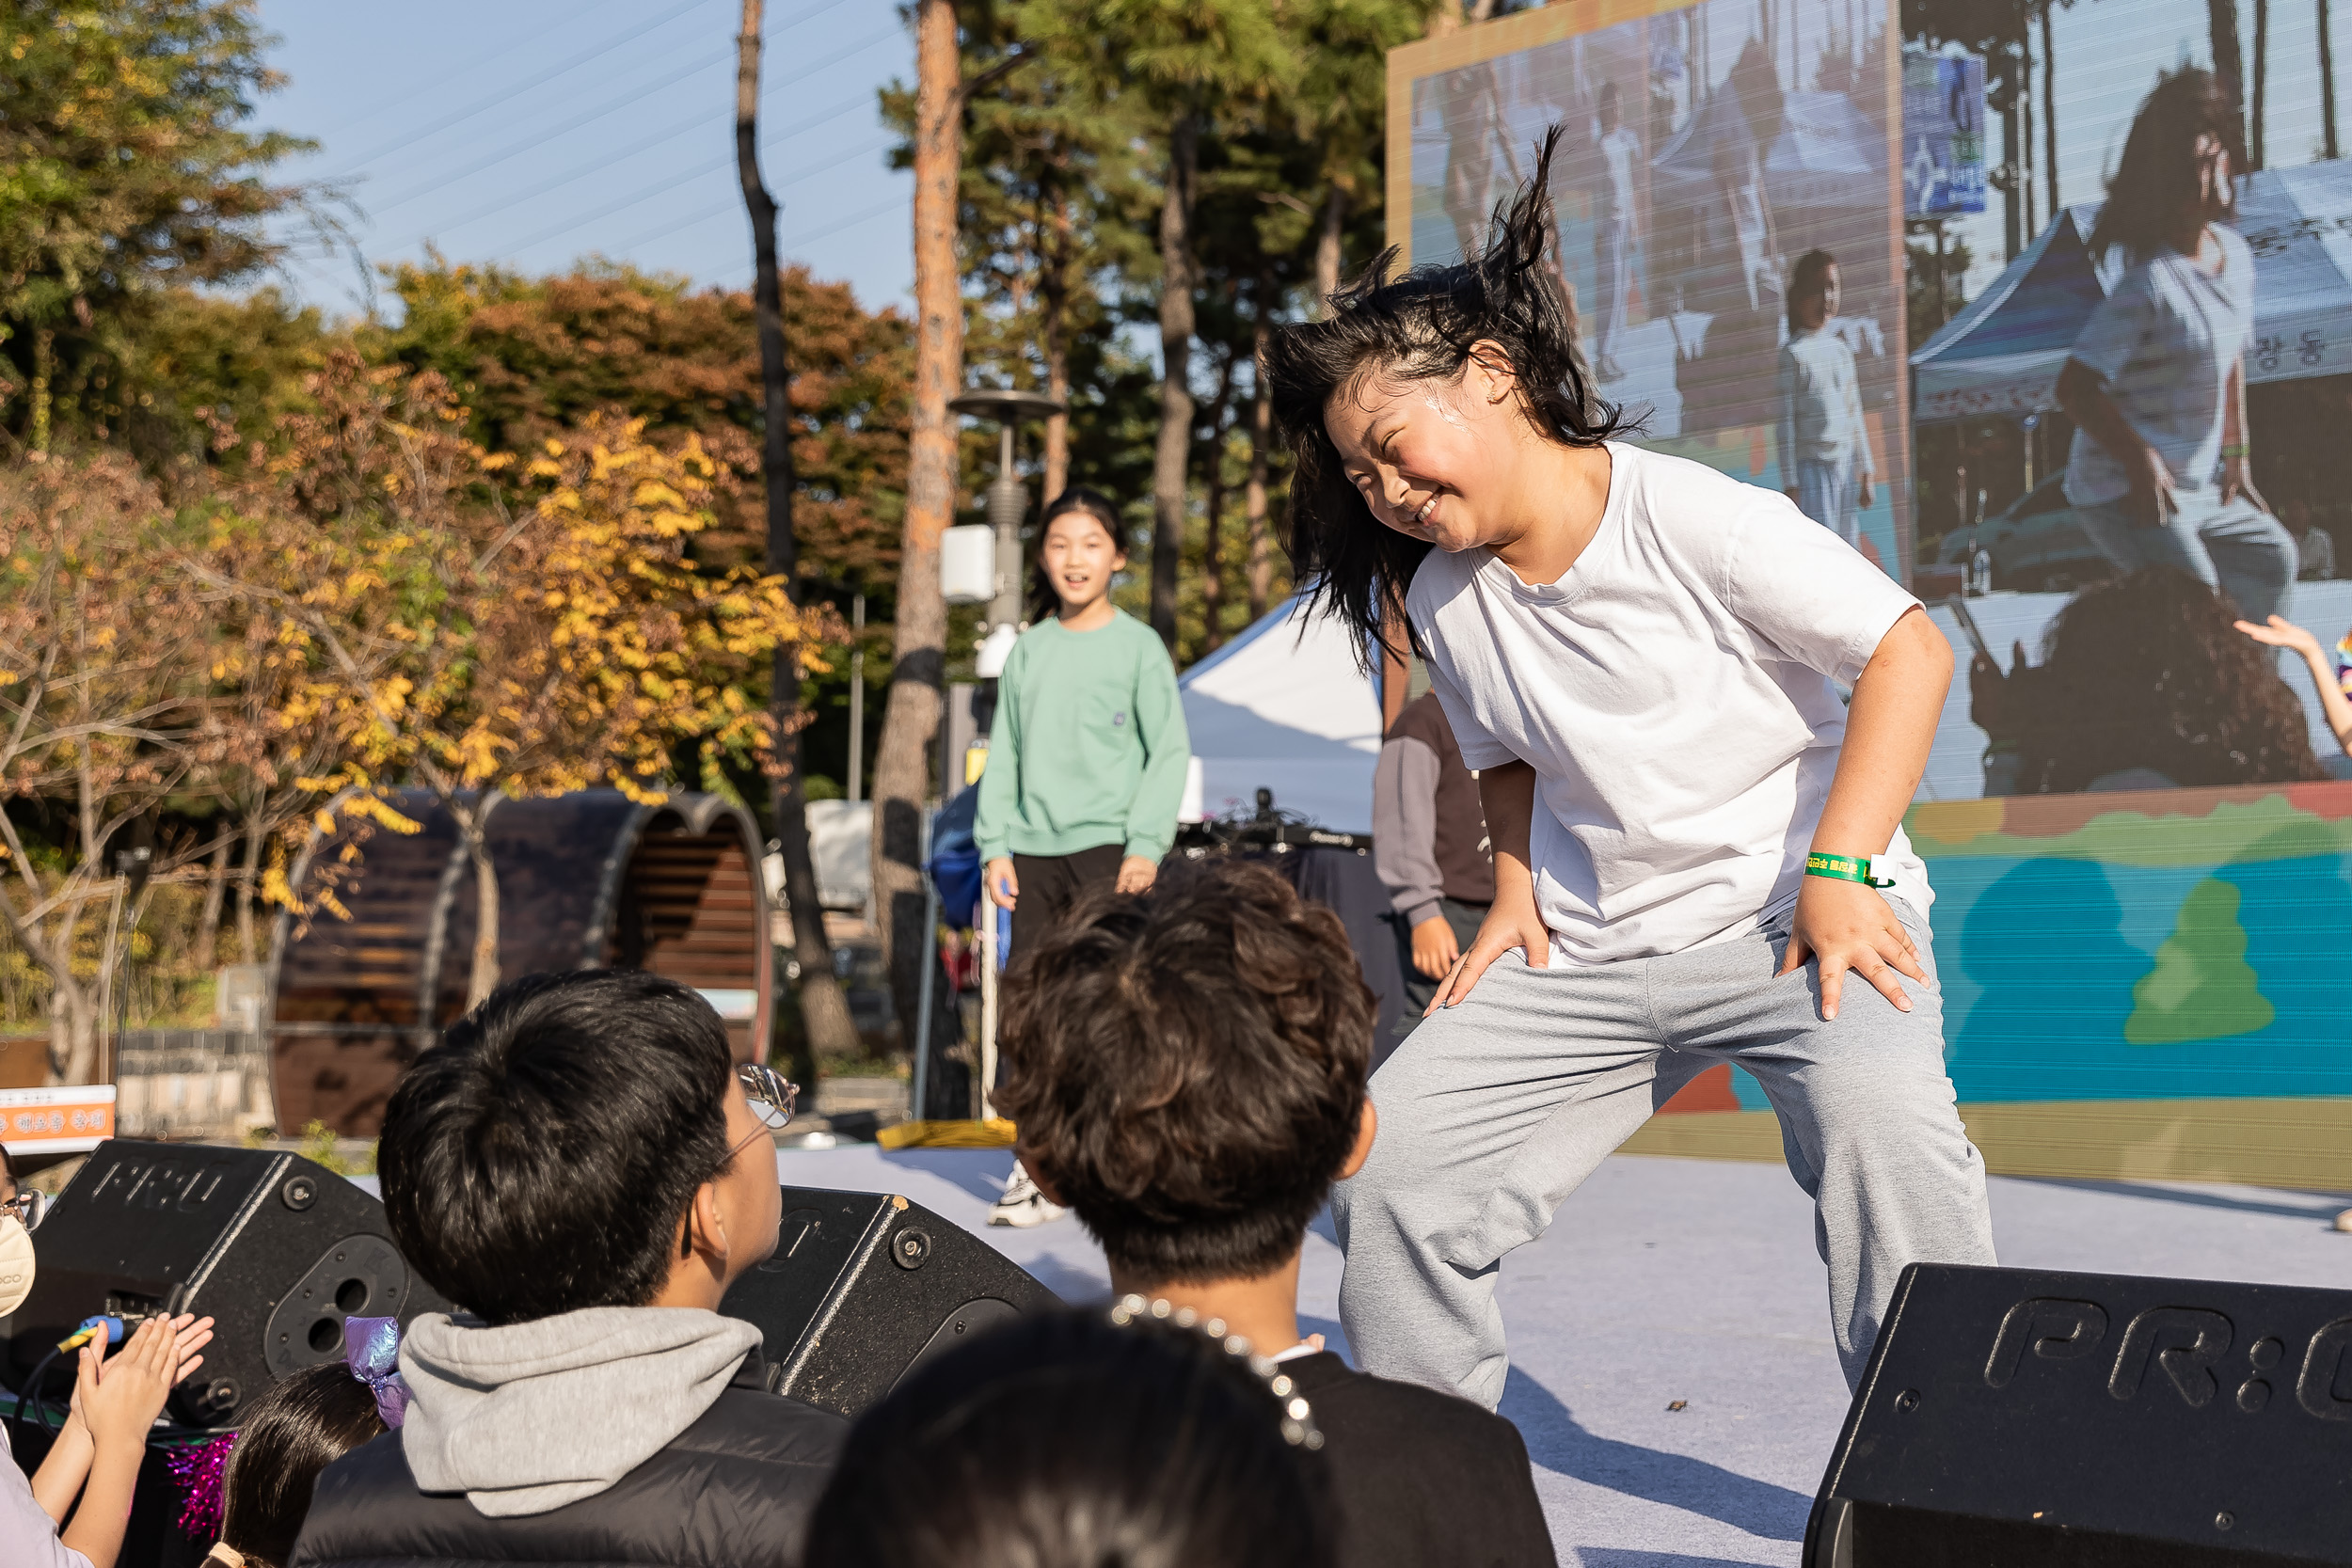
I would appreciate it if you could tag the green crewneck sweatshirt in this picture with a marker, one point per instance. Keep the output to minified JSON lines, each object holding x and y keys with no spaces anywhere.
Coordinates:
{"x":1089,"y":745}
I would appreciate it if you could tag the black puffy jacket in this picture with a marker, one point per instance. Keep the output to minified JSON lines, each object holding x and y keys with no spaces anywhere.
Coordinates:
{"x":735,"y":1490}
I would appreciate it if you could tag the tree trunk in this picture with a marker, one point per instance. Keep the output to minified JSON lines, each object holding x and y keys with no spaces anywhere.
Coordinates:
{"x":2261,"y":71}
{"x":74,"y":1026}
{"x":1212,"y":550}
{"x":2327,"y":85}
{"x":911,"y":716}
{"x":2049,"y":107}
{"x":1168,"y":463}
{"x":473,"y":827}
{"x":2228,"y":66}
{"x":824,"y":1010}
{"x":1053,"y":332}
{"x":208,"y":922}
{"x":249,"y":887}
{"x":1328,"y":248}
{"x":1261,"y":448}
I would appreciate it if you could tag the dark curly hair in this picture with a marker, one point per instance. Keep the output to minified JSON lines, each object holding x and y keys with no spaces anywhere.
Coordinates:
{"x":1421,"y":327}
{"x":2149,"y":671}
{"x":2158,"y":169}
{"x":1188,"y":1069}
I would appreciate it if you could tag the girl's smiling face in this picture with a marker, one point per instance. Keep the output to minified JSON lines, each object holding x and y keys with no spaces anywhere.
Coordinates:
{"x":1080,"y":558}
{"x":1434,"y":460}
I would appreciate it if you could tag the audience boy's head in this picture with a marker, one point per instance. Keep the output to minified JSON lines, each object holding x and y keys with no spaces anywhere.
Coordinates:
{"x":1188,"y":1069}
{"x":302,"y":1425}
{"x":1066,"y":1441}
{"x":574,"y":1142}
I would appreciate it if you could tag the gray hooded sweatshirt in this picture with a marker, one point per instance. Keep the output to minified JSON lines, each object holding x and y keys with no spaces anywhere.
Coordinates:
{"x":498,"y":1413}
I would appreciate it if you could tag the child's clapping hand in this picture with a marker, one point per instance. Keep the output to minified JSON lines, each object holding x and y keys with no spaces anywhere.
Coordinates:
{"x":119,"y":1397}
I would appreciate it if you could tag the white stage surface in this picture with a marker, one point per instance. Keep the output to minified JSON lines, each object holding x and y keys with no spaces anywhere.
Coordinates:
{"x":1693,"y":1280}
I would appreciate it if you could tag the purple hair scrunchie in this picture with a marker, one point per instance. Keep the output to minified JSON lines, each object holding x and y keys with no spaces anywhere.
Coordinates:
{"x":372,"y":1350}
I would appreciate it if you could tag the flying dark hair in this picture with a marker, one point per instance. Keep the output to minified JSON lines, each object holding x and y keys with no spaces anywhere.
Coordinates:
{"x":302,"y":1425}
{"x":1187,"y":1067}
{"x":1043,"y":601}
{"x":2149,"y":672}
{"x":1805,"y":280}
{"x":1421,"y":327}
{"x":538,"y":1160}
{"x":1065,"y":1441}
{"x":2158,"y":169}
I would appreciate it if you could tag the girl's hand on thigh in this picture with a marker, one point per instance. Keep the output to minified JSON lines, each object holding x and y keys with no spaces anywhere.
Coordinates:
{"x":1508,"y":925}
{"x":1136,"y":874}
{"x":1004,"y":888}
{"x":1848,"y":926}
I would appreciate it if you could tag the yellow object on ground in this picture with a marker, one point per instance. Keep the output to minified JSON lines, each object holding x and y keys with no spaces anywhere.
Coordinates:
{"x":995,"y":1133}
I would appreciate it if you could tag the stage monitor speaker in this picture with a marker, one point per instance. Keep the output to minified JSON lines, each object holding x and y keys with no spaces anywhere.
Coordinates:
{"x":865,"y":1286}
{"x":276,"y":1250}
{"x":2027,"y":1420}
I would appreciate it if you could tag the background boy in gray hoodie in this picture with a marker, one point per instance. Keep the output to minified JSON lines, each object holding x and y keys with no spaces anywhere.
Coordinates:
{"x":581,"y":1167}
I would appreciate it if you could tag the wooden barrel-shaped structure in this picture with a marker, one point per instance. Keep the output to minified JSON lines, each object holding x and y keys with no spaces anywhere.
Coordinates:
{"x":585,"y":880}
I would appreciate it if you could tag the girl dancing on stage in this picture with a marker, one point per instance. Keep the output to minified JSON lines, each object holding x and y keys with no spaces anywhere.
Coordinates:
{"x":1698,"y":856}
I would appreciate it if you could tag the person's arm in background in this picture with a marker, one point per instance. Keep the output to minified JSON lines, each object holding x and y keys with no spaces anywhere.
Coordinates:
{"x":1866,"y":472}
{"x":1166,"y":759}
{"x":1785,"y":433}
{"x":1000,"y":790}
{"x":1405,"y":850}
{"x":2284,"y":633}
{"x":2237,"y":461}
{"x":2102,"y":350}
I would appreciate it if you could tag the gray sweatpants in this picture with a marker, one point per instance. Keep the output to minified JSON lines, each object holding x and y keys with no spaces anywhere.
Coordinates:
{"x":1494,"y":1111}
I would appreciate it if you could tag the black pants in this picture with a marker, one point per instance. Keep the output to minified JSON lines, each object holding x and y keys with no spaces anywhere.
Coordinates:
{"x":1419,"y":988}
{"x":1050,"y":884}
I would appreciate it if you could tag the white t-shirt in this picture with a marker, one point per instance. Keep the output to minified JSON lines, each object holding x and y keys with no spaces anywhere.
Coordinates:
{"x":2164,"y":342}
{"x":1671,"y":692}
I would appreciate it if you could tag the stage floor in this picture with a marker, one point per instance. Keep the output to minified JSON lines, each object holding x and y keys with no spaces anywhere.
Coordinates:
{"x":1669,"y":1280}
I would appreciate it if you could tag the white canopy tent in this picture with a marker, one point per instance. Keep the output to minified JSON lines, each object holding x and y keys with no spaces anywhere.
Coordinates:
{"x":1284,"y":706}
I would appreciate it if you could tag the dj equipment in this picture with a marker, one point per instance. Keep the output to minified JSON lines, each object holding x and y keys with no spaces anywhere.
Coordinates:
{"x":2018,"y":1417}
{"x":276,"y":1250}
{"x":865,"y":1287}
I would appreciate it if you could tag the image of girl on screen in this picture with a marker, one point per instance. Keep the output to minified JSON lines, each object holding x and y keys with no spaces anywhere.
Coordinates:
{"x":1825,"y":464}
{"x":2155,"y":383}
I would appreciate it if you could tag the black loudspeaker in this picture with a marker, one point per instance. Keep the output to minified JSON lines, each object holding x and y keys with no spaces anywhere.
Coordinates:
{"x":276,"y":1250}
{"x":2020,"y":1418}
{"x":865,"y":1286}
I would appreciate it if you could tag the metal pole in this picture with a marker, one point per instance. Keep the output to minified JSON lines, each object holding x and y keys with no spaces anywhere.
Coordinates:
{"x":857,"y":700}
{"x":920,"y":1099}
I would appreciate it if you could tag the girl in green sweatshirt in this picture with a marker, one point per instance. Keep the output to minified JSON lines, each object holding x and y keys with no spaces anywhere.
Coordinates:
{"x":1087,"y":756}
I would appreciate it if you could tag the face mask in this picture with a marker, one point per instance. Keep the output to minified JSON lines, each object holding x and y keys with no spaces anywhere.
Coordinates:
{"x":16,"y":1264}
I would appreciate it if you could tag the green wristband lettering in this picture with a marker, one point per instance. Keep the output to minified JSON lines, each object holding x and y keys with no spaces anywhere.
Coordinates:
{"x":1844,"y":868}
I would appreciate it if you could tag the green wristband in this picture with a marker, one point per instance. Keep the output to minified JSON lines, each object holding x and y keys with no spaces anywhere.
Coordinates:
{"x":1844,"y":868}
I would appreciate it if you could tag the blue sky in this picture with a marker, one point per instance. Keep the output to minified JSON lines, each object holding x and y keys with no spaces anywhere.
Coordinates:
{"x":535,"y":132}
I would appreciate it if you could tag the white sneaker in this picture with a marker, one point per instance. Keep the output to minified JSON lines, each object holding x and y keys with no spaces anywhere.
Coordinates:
{"x":1023,"y":1204}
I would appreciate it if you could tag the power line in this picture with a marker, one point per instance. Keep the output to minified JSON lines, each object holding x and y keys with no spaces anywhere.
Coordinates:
{"x":601,"y":110}
{"x":671,"y":182}
{"x":508,"y":94}
{"x":492,"y":57}
{"x":511,"y":201}
{"x":735,"y":204}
